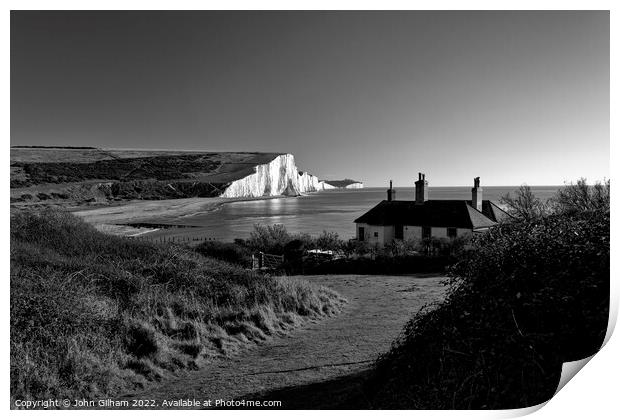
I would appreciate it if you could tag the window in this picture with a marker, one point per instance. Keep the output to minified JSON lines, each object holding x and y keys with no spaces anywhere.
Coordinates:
{"x":376,"y":234}
{"x":360,"y":234}
{"x":451,"y":232}
{"x":426,"y":232}
{"x":398,"y":231}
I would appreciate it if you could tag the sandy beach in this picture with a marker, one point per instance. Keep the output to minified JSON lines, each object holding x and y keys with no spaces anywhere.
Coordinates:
{"x":114,"y":219}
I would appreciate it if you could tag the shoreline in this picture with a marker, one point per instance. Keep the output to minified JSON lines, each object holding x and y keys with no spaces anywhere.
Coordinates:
{"x":117,"y":219}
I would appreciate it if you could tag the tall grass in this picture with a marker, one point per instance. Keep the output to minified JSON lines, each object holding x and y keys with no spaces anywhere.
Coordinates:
{"x":94,"y":314}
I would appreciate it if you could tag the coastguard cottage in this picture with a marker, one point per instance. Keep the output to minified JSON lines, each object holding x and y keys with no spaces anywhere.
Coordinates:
{"x":423,"y":218}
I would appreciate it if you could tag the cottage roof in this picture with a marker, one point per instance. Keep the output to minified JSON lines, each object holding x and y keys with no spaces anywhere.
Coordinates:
{"x":436,"y":213}
{"x":493,"y":211}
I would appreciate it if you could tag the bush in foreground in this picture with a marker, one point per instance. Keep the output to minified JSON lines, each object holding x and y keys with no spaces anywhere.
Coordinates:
{"x":384,"y":264}
{"x":232,"y":253}
{"x":528,"y":297}
{"x":93,"y":314}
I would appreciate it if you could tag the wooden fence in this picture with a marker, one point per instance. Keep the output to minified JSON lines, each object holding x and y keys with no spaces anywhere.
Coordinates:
{"x":262,"y":261}
{"x":173,"y":239}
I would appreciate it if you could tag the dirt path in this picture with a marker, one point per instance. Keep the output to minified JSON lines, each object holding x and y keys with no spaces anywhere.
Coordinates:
{"x":321,"y":365}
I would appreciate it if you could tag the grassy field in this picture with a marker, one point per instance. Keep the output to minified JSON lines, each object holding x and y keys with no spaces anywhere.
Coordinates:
{"x":94,"y":315}
{"x":58,"y":165}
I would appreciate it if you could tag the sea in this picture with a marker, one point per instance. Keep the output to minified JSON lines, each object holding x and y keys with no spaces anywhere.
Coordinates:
{"x":331,"y":211}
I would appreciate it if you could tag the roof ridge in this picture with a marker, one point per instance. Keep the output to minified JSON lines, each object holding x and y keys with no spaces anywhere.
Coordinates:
{"x":500,"y":209}
{"x":479,"y":214}
{"x":434,"y":213}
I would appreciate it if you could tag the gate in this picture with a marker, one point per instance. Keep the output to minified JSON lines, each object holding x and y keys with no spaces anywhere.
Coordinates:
{"x":264,"y":261}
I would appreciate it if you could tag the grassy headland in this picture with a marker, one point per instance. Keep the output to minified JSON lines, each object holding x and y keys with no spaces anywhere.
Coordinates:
{"x":70,"y":176}
{"x":95,"y":314}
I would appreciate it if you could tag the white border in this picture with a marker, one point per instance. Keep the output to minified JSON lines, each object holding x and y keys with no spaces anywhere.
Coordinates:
{"x":591,"y":394}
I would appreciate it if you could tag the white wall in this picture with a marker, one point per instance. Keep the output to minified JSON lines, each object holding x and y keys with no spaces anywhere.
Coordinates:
{"x":412,"y":233}
{"x":357,"y":228}
{"x":385,"y":234}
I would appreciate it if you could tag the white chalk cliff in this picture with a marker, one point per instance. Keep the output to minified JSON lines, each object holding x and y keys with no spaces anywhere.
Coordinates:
{"x":308,"y":182}
{"x":325,"y":186}
{"x":345,"y":183}
{"x":187,"y":174}
{"x":278,"y":177}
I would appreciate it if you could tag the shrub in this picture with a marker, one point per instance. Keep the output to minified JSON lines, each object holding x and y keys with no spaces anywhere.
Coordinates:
{"x":401,"y":248}
{"x":383,"y":264}
{"x":329,"y":241}
{"x":581,"y":197}
{"x":356,"y":247}
{"x":233,"y":253}
{"x":524,"y":205}
{"x":270,"y":239}
{"x":527,"y":297}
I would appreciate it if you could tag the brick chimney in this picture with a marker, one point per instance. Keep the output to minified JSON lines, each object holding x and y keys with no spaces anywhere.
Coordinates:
{"x":391,"y":193}
{"x":476,"y":195}
{"x":421,"y":189}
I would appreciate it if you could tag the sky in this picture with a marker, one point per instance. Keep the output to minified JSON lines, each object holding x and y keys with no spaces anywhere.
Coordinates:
{"x":511,"y":97}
